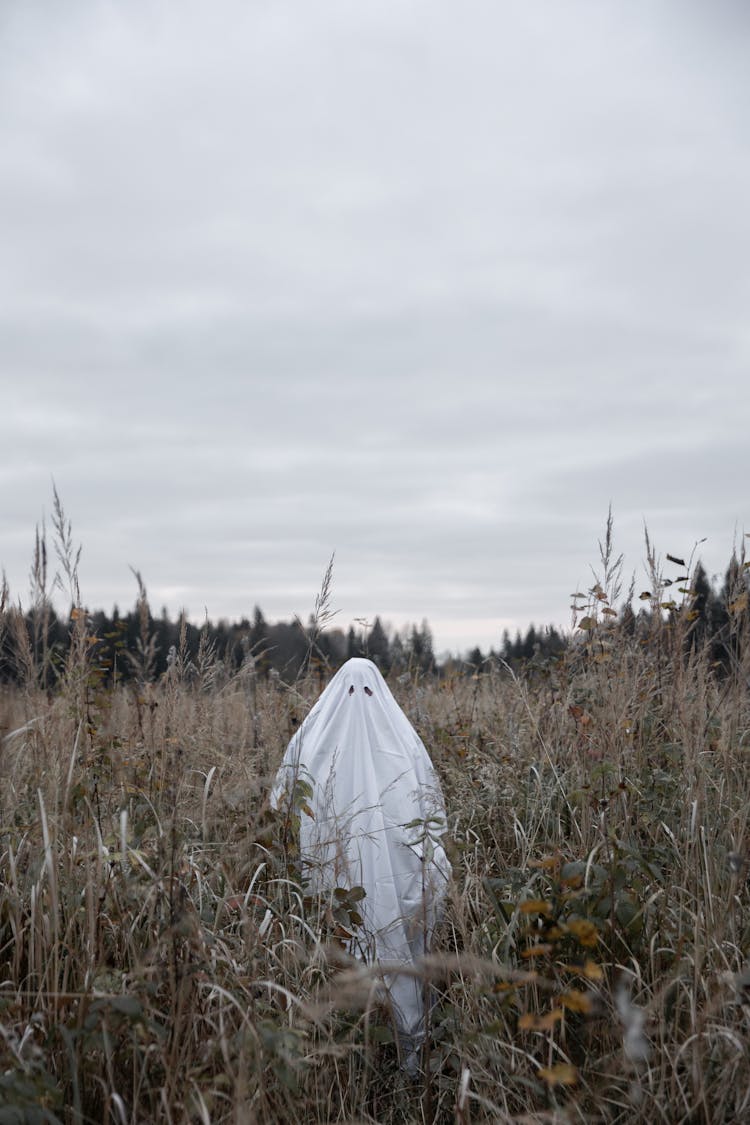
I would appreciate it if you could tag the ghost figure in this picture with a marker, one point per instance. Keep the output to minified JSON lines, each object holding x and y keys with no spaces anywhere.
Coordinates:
{"x":377,"y":822}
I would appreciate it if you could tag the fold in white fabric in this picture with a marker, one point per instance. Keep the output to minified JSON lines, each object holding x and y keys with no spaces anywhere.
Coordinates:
{"x":377,"y":822}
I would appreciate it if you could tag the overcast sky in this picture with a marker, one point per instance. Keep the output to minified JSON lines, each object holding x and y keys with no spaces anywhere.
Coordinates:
{"x":428,"y":284}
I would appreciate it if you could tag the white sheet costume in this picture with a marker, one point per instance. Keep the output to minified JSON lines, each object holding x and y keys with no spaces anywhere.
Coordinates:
{"x":378,"y":820}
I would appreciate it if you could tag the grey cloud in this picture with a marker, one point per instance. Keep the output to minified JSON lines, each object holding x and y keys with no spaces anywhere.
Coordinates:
{"x":427,"y":289}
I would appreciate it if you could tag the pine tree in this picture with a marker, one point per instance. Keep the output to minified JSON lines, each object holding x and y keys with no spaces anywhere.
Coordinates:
{"x":378,"y":646}
{"x":258,"y":642}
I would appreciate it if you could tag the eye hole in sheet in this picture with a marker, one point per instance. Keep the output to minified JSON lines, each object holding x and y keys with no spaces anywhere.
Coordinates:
{"x":368,"y":691}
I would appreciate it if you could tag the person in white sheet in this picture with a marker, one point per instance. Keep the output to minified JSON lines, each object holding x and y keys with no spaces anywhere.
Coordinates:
{"x":378,"y":822}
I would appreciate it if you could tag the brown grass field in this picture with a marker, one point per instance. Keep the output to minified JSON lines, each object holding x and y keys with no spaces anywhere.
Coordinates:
{"x":160,"y":961}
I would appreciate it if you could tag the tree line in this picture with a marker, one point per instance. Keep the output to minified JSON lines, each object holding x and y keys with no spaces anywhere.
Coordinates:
{"x":137,"y":646}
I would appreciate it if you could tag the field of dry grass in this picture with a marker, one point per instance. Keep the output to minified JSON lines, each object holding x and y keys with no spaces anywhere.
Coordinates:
{"x":159,"y":960}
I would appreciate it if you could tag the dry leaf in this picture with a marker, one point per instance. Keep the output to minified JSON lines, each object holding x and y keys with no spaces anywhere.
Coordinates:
{"x":562,"y":1074}
{"x":535,"y":906}
{"x":576,"y":1001}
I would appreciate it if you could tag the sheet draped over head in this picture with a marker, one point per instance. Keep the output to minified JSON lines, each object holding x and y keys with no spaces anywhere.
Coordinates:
{"x":378,"y":821}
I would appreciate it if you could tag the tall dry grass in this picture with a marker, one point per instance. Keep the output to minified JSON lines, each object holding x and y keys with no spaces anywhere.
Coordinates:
{"x":160,"y":961}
